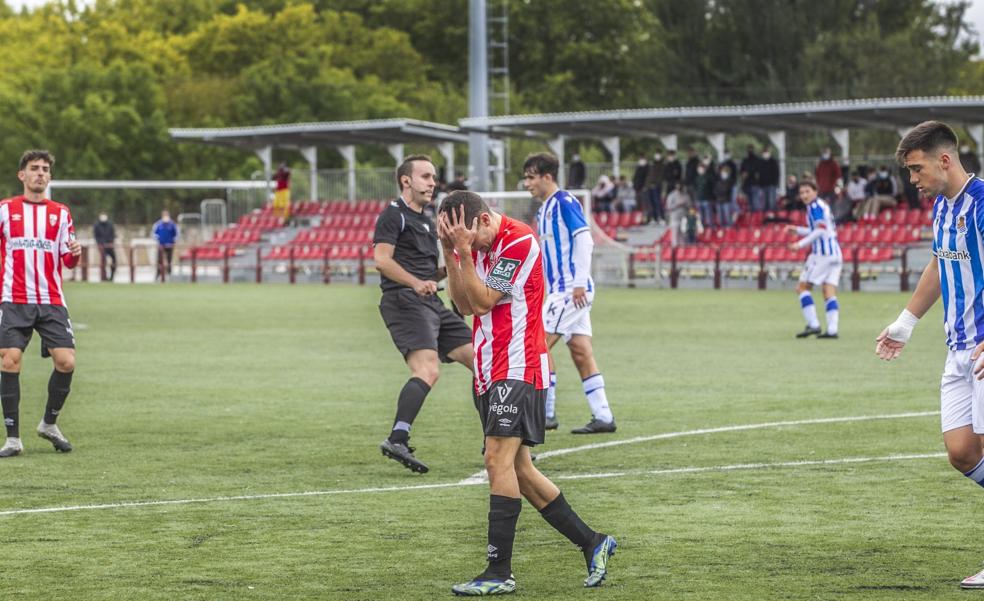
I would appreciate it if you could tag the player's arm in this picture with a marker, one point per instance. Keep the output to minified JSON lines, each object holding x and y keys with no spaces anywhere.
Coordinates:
{"x":382,"y":253}
{"x":476,"y":297}
{"x":455,"y":286}
{"x":573,"y":215}
{"x":69,"y":248}
{"x":891,"y":341}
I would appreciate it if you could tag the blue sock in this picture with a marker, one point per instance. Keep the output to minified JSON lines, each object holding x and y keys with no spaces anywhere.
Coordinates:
{"x":809,"y":310}
{"x":833,"y":315}
{"x":977,"y":474}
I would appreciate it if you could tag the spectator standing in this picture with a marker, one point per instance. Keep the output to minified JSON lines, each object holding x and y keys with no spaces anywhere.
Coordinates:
{"x":750,"y":174}
{"x":281,"y":195}
{"x":704,"y":191}
{"x":672,"y":170}
{"x":577,"y":173}
{"x":639,"y":185}
{"x":654,"y":188}
{"x":690,"y":170}
{"x":677,"y":204}
{"x":722,"y":197}
{"x":166,"y":233}
{"x":827,"y":173}
{"x":105,"y":235}
{"x":769,"y":178}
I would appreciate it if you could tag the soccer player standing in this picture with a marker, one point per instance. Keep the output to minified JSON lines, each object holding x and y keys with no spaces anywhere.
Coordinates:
{"x":495,"y":273}
{"x":36,"y":238}
{"x":955,"y":272}
{"x":566,"y":242}
{"x":823,"y":266}
{"x":423,"y":329}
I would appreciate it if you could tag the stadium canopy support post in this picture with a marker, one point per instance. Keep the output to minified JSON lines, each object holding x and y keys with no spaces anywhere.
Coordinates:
{"x":266,"y":157}
{"x":614,"y":147}
{"x":557,"y":147}
{"x":498,"y":150}
{"x":669,"y":142}
{"x":977,"y":133}
{"x":717,"y":142}
{"x":396,"y":151}
{"x":310,"y":154}
{"x":843,"y":139}
{"x":778,"y":139}
{"x":447,"y":151}
{"x":348,"y":153}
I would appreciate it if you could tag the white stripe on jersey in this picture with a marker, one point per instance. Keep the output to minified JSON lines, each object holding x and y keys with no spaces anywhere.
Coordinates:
{"x":39,"y":255}
{"x":30,"y":262}
{"x":519,"y":313}
{"x":959,"y":248}
{"x":8,"y":260}
{"x":553,"y":221}
{"x":818,"y":212}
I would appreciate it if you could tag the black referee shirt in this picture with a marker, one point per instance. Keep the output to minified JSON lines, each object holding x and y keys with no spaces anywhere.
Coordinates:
{"x":414,"y":239}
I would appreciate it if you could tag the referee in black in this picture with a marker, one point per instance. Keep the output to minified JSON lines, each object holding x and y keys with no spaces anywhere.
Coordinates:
{"x":423,"y":329}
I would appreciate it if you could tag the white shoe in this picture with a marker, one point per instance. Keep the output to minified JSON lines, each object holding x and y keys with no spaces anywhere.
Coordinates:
{"x":975,"y":581}
{"x":52,"y":434}
{"x":12,"y":447}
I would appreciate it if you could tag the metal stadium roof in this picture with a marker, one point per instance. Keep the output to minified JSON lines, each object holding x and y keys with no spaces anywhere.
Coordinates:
{"x":336,"y":133}
{"x":877,"y":113}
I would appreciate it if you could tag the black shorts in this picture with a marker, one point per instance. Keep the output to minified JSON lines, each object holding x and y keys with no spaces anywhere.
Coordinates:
{"x":513,"y":408}
{"x":422,"y":322}
{"x":18,"y":322}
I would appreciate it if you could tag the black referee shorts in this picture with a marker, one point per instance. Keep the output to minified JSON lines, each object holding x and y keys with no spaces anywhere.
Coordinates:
{"x":422,"y":322}
{"x":513,"y":408}
{"x":18,"y":323}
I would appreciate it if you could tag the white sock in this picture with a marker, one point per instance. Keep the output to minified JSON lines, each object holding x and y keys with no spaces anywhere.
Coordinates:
{"x":833,"y":315}
{"x":552,"y":395}
{"x":809,"y":310}
{"x":594,"y":389}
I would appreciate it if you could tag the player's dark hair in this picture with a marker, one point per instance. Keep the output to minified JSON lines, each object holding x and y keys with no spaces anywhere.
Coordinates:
{"x":406,"y":167}
{"x":809,"y":183}
{"x":473,"y":203}
{"x":542,"y":163}
{"x":929,"y":137}
{"x":34,"y":155}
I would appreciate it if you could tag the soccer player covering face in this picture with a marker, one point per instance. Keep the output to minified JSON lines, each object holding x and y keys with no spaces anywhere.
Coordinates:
{"x":955,"y":273}
{"x":36,"y":238}
{"x":495,"y":274}
{"x":565,"y":239}
{"x":823,"y":266}
{"x":423,"y":329}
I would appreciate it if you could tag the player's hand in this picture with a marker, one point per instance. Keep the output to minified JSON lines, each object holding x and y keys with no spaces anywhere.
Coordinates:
{"x":889,"y":349}
{"x":978,"y":367}
{"x":460,"y":232}
{"x":579,"y":297}
{"x":425,"y":287}
{"x":791,"y":229}
{"x":75,"y":247}
{"x":794,"y":247}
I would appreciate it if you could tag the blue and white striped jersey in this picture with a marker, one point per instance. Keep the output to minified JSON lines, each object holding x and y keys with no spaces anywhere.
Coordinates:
{"x":958,"y":247}
{"x":818,"y":216}
{"x":558,"y":220}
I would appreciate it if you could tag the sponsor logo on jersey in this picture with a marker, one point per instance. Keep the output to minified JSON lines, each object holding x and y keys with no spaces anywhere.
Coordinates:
{"x":505,"y":422}
{"x":505,"y":270}
{"x":15,"y":217}
{"x":953,"y":255}
{"x":31,"y":244}
{"x":500,"y":409}
{"x":52,"y":219}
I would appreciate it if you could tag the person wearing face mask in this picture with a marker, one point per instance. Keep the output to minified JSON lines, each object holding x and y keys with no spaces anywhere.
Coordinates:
{"x":654,"y":189}
{"x":639,"y":183}
{"x":704,"y":191}
{"x":884,"y":192}
{"x":105,"y":235}
{"x":827,"y":173}
{"x":969,"y":160}
{"x":722,"y":197}
{"x":166,"y":233}
{"x":769,"y":178}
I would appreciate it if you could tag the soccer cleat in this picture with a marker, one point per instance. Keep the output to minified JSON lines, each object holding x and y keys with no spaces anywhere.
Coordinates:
{"x":975,"y":581}
{"x":12,"y":447}
{"x":550,"y":423}
{"x":485,"y":586}
{"x":808,"y":331}
{"x":52,"y":434}
{"x":595,"y":426}
{"x":597,"y":561}
{"x":827,"y":335}
{"x":401,"y":453}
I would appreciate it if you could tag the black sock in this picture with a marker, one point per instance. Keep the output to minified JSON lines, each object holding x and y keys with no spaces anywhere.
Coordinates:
{"x":560,"y":515}
{"x":503,"y":515}
{"x":59,"y":384}
{"x":407,"y":407}
{"x":10,"y":399}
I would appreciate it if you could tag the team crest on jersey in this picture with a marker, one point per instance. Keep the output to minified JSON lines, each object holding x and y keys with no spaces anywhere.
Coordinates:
{"x":961,"y":224}
{"x":52,"y":219}
{"x":15,"y":217}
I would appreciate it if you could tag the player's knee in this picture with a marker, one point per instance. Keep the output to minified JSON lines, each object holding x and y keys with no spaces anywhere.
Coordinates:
{"x":65,"y":364}
{"x":11,"y":361}
{"x":428,"y":374}
{"x":964,"y":457}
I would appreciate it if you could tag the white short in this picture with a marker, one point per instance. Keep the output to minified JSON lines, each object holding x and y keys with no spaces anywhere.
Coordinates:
{"x":821,"y":269}
{"x":961,"y":394}
{"x":560,"y":316}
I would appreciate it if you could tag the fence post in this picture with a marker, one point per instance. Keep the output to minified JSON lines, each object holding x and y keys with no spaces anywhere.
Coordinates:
{"x":225,"y":264}
{"x":133,"y":266}
{"x":717,"y":269}
{"x":362,"y":266}
{"x":259,"y":266}
{"x":674,"y":271}
{"x":763,"y":275}
{"x":102,"y":261}
{"x":904,"y":275}
{"x":327,"y":266}
{"x":291,"y":276}
{"x":85,"y":263}
{"x":194,"y":264}
{"x":856,"y":274}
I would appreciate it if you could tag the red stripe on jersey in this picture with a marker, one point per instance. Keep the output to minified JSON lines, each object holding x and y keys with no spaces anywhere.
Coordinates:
{"x":35,"y":253}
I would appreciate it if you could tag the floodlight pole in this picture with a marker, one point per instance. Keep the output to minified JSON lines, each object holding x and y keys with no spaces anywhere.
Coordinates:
{"x":478,"y":93}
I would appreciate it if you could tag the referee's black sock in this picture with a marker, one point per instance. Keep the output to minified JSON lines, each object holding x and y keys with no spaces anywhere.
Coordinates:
{"x":59,"y":384}
{"x":559,"y":514}
{"x":407,"y":407}
{"x":10,"y":399}
{"x":503,"y":515}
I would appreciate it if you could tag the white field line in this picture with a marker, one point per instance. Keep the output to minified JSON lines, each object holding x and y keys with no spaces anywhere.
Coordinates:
{"x":481,"y":477}
{"x":355,"y":491}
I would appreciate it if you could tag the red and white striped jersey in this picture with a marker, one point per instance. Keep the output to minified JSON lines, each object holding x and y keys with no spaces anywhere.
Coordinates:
{"x":34,"y":241}
{"x":509,"y":340}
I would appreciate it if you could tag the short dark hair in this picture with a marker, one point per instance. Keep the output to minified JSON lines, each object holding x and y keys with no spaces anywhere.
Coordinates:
{"x":542,"y":163}
{"x":928,"y":136}
{"x":34,"y":155}
{"x":473,"y":203}
{"x":406,"y":167}
{"x":809,"y":183}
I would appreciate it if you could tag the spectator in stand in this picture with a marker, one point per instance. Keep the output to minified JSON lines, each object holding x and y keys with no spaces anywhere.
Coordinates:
{"x":576,"y":174}
{"x":793,"y":202}
{"x":856,"y":194}
{"x":639,"y":185}
{"x":910,"y":193}
{"x":769,"y":179}
{"x":678,"y":203}
{"x":281,"y":196}
{"x":690,"y":170}
{"x":672,"y":170}
{"x":704,"y":191}
{"x":625,"y":199}
{"x":166,"y":233}
{"x":722,"y":197}
{"x":969,"y":161}
{"x":692,"y":226}
{"x":883,"y":191}
{"x":603,"y":194}
{"x":105,"y":235}
{"x":751,"y":167}
{"x":654,"y":189}
{"x":827,"y":173}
